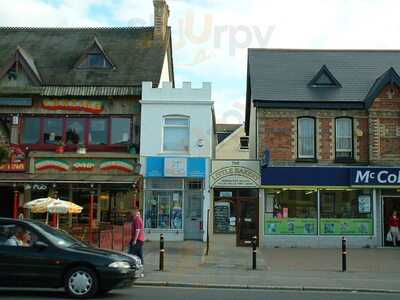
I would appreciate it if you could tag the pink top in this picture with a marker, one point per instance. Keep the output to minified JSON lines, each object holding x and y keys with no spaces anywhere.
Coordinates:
{"x":394,"y":222}
{"x":138,"y":224}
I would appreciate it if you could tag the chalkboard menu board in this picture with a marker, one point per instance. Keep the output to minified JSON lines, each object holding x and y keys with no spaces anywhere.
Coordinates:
{"x":221,"y":219}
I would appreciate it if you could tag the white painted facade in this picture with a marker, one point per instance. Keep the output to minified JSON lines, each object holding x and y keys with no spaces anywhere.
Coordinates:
{"x":194,"y":105}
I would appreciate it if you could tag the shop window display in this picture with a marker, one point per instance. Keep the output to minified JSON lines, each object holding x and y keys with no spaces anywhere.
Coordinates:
{"x":346,"y":212}
{"x":291,"y":213}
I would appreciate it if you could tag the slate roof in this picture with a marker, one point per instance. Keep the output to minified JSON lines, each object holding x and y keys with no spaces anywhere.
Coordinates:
{"x":280,"y":77}
{"x":55,"y":51}
{"x":225,"y":130}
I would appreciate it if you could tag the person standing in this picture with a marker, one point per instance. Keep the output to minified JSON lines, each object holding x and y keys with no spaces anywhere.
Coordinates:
{"x":137,"y":242}
{"x":394,"y":224}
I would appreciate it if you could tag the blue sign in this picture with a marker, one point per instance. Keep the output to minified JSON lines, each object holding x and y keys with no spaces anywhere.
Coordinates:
{"x":155,"y":167}
{"x":196,"y":167}
{"x":15,"y":101}
{"x":375,"y":176}
{"x":305,"y":176}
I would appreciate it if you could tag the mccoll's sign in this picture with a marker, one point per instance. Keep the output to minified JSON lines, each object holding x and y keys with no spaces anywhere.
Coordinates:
{"x":375,"y":176}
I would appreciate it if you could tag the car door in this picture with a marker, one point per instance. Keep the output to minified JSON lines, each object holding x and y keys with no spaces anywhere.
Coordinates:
{"x":28,"y":265}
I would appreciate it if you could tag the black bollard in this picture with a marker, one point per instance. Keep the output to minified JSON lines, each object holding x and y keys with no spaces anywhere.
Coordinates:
{"x":344,"y":255}
{"x":254,"y":246}
{"x":162,"y":252}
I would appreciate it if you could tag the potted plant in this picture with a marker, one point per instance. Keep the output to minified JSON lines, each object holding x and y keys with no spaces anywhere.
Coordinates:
{"x":81,"y":149}
{"x":60,"y":147}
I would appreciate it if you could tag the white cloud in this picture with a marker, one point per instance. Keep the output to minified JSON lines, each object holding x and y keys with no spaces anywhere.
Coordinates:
{"x":297,"y":24}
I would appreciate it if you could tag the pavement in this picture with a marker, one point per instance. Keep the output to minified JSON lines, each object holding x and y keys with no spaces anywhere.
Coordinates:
{"x":228,"y":266}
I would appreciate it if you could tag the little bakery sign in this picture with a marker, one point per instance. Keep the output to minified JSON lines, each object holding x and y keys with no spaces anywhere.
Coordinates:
{"x":235,"y":174}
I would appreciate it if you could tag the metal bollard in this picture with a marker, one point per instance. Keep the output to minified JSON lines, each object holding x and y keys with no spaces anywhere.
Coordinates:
{"x":254,"y":246}
{"x":162,"y":252}
{"x":344,"y":255}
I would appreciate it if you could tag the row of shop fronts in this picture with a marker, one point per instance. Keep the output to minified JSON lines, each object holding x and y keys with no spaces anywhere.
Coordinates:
{"x":304,"y":206}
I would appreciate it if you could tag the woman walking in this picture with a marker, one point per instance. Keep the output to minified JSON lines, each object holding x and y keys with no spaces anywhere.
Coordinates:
{"x":394,"y":224}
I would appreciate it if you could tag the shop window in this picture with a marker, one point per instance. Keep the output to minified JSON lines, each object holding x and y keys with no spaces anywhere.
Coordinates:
{"x":194,"y":184}
{"x":176,"y":134}
{"x":346,"y":212}
{"x":163,"y":209}
{"x":291,"y":213}
{"x":164,"y":184}
{"x":75,"y":131}
{"x":98,"y":132}
{"x":120,"y":130}
{"x":31,"y":131}
{"x":306,"y":138}
{"x":52,"y":130}
{"x":344,"y":138}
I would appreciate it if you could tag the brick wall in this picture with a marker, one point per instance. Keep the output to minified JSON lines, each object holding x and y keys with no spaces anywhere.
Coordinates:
{"x":384,"y":125}
{"x":277,"y":131}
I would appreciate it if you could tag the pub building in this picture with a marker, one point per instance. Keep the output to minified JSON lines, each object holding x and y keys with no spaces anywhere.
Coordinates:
{"x":327,"y":130}
{"x":70,"y":114}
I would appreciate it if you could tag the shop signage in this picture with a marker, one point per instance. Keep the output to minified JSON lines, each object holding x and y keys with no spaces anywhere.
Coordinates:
{"x":7,"y":101}
{"x":119,"y":165}
{"x":375,"y":176}
{"x":346,"y":226}
{"x":176,"y":167}
{"x":12,"y":167}
{"x":73,"y":104}
{"x":236,"y":174}
{"x":52,"y":164}
{"x":290,"y":226}
{"x":85,"y":165}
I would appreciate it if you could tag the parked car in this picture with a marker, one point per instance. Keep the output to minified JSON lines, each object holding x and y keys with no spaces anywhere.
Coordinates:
{"x":33,"y":254}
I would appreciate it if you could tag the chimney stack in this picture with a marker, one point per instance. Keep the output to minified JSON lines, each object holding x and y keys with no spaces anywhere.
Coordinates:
{"x":161,"y":15}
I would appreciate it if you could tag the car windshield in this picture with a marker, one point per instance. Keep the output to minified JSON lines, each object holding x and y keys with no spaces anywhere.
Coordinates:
{"x":59,"y":237}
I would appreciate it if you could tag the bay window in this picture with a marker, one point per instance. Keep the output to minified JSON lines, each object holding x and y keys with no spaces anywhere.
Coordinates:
{"x":344,"y":138}
{"x":98,"y":132}
{"x":120,"y":130}
{"x":52,"y":130}
{"x":75,"y":131}
{"x":31,"y":131}
{"x":94,"y":131}
{"x":306,"y":138}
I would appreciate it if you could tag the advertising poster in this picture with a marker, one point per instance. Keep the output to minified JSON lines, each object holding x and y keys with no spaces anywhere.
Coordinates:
{"x":364,"y":204}
{"x":346,"y":227}
{"x":274,"y":226}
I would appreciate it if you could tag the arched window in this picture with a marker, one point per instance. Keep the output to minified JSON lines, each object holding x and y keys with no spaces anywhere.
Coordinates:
{"x":176,"y":134}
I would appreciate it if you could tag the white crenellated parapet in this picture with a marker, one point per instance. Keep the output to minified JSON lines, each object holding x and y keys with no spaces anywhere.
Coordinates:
{"x":168,"y":93}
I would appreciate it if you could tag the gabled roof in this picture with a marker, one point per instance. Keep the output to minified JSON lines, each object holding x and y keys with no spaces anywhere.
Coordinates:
{"x":23,"y":59}
{"x":324,"y":78}
{"x":94,"y":47}
{"x":225,"y":130}
{"x":390,"y":77}
{"x":280,"y":77}
{"x":134,"y":52}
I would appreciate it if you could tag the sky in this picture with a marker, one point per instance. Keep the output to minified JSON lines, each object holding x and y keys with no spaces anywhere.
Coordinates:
{"x":211,"y":37}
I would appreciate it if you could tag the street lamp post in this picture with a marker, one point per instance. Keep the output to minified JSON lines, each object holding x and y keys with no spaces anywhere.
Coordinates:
{"x":16,"y":202}
{"x":91,"y":204}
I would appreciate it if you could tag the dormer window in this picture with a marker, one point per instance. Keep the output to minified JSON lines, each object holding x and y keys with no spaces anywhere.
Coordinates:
{"x":95,"y":58}
{"x":324,"y":78}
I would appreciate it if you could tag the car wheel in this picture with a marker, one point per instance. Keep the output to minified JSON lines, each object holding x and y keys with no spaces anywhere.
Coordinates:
{"x":81,"y":282}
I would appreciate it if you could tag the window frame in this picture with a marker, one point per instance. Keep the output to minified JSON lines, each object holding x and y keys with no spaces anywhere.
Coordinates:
{"x":164,"y":126}
{"x":87,"y":121}
{"x":350,"y":158}
{"x":306,"y":157}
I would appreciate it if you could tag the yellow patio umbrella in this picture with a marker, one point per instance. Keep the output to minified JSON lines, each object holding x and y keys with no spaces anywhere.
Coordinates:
{"x":41,"y":202}
{"x":64,"y":207}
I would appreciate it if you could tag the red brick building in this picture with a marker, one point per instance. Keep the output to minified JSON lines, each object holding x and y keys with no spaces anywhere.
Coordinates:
{"x":326,"y":124}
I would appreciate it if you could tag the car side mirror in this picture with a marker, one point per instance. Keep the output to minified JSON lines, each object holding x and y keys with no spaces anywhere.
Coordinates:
{"x":40,"y":245}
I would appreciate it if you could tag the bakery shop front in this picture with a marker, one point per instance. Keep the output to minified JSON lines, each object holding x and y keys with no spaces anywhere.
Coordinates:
{"x":235,"y":191}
